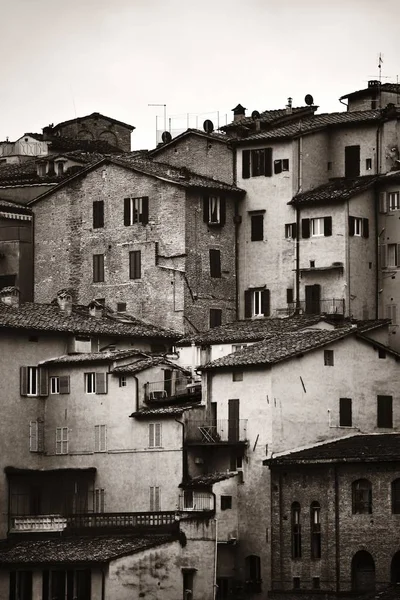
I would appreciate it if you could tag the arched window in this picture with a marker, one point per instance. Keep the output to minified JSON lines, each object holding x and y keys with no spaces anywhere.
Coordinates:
{"x":363,"y":572}
{"x":362,"y":497}
{"x":315,"y":528}
{"x":396,"y":496}
{"x":296,"y":530}
{"x":253,"y":573}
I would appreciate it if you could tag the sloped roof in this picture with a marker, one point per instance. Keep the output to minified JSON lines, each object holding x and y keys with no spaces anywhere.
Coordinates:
{"x":14,"y":207}
{"x":166,"y":410}
{"x":95,"y":115}
{"x":215,"y":136}
{"x":278,"y":347}
{"x":356,"y":448}
{"x":93,"y":357}
{"x":336,"y":190}
{"x":145,"y":363}
{"x":384,"y":87}
{"x":49,"y":317}
{"x":207,"y":480}
{"x":271,"y":116}
{"x":93,"y":549}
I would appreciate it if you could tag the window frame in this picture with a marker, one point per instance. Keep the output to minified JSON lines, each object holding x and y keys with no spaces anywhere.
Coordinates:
{"x":98,"y":268}
{"x":317,"y":231}
{"x":295,"y":513}
{"x":62,"y":440}
{"x":90,"y":382}
{"x":315,"y":530}
{"x":290,"y":231}
{"x":135,"y":265}
{"x":393,"y":201}
{"x":122,"y":381}
{"x":257,"y":227}
{"x":54,"y":389}
{"x":136,"y":210}
{"x":155,"y":435}
{"x":361,"y":497}
{"x":32,"y":381}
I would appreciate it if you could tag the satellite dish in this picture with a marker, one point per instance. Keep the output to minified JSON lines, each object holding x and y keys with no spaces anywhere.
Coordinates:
{"x":208,"y":126}
{"x":255,"y":115}
{"x":309,"y":100}
{"x":166,"y":137}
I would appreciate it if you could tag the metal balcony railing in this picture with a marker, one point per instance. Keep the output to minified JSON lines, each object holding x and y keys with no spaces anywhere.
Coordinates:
{"x":171,"y":388}
{"x":216,"y":431}
{"x":195,"y":501}
{"x":328,"y":306}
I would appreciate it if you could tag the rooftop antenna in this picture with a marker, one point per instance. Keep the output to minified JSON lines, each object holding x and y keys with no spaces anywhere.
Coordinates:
{"x":165,"y":115}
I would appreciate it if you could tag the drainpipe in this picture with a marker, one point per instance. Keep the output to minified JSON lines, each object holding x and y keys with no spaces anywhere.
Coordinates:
{"x":378,"y":169}
{"x":347,"y":241}
{"x":137,"y":392}
{"x":193,"y":366}
{"x":184,"y":453}
{"x":337,"y":536}
{"x":237,"y":220}
{"x":103,"y":585}
{"x":215,"y":559}
{"x":297,"y":310}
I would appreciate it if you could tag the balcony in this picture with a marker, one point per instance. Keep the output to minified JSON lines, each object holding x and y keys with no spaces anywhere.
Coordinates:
{"x":93,"y":522}
{"x":331,"y":306}
{"x":216,"y":432}
{"x":169,"y":389}
{"x":192,"y":501}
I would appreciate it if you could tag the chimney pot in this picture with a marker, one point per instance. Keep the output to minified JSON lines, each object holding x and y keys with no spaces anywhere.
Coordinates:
{"x":96,"y":309}
{"x":64,"y":301}
{"x":10,"y":295}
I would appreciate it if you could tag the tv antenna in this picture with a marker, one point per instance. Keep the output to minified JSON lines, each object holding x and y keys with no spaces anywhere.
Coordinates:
{"x":165,"y":115}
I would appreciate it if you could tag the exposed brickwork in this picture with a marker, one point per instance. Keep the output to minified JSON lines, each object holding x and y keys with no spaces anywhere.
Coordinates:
{"x":98,"y":127}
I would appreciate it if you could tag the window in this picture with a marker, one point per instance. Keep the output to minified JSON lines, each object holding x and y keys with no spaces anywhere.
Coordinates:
{"x":155,"y":499}
{"x":396,"y":497}
{"x":188,"y":581}
{"x":329,"y":166}
{"x":296,"y":530}
{"x":100,"y":438}
{"x":368,"y":164}
{"x":237,"y":376}
{"x":315,"y":528}
{"x":256,"y":303}
{"x":121,"y":306}
{"x":362,"y":497}
{"x":155,"y":435}
{"x":328,"y":358}
{"x":96,"y":383}
{"x":135,"y":264}
{"x":215,"y":317}
{"x":381,"y":353}
{"x":257,"y":228}
{"x":33,"y":381}
{"x":36,"y":436}
{"x":98,"y":268}
{"x":289,"y":296}
{"x":237,"y":347}
{"x":99,"y":500}
{"x":226,"y":502}
{"x":345,"y":412}
{"x":59,"y":384}
{"x":316,"y":227}
{"x":214,"y":210}
{"x":62,"y":440}
{"x":257,"y":162}
{"x":385,"y":411}
{"x":281,"y":165}
{"x":296,"y":583}
{"x":20,"y":585}
{"x":290,"y":231}
{"x":253,"y":573}
{"x":41,"y":169}
{"x":358,"y":227}
{"x":136,"y":210}
{"x":98,"y":214}
{"x":352,"y":161}
{"x":122,"y":380}
{"x":393,"y":255}
{"x":31,"y":338}
{"x":316,"y":583}
{"x":394,"y":200}
{"x":215,"y":263}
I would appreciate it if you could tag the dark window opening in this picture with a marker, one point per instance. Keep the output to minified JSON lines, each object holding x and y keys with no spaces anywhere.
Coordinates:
{"x":253,"y":574}
{"x":296,"y":583}
{"x":257,"y":228}
{"x":98,"y":214}
{"x":289,"y":296}
{"x":345,"y":412}
{"x":136,"y":210}
{"x":296,"y":530}
{"x":352,"y":161}
{"x":215,"y":263}
{"x":315,"y":527}
{"x":226,"y":502}
{"x":368,"y":164}
{"x":316,"y":583}
{"x":121,"y":306}
{"x":328,"y":358}
{"x":385,"y":411}
{"x":381,"y":353}
{"x":361,"y":497}
{"x":215,"y":317}
{"x":135,"y":264}
{"x":396,"y":496}
{"x":98,"y":268}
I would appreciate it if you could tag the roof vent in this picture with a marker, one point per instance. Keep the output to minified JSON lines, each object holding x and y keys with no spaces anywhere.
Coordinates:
{"x":96,"y":309}
{"x":64,"y":301}
{"x":10,"y":295}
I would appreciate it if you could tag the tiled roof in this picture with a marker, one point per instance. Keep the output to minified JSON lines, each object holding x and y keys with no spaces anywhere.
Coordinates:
{"x":166,"y":410}
{"x":355,"y":448}
{"x":91,"y":116}
{"x":146,"y":363}
{"x":335,"y":190}
{"x":35,"y":136}
{"x":313,"y":123}
{"x":250,"y":330}
{"x":48,"y":317}
{"x":207,"y":480}
{"x":94,"y":357}
{"x":214,"y":136}
{"x":271,"y":116}
{"x":14,"y":207}
{"x":385,"y":87}
{"x":278,"y":347}
{"x":101,"y":549}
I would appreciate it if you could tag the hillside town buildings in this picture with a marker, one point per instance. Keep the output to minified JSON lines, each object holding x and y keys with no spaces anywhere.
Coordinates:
{"x":201,"y":357}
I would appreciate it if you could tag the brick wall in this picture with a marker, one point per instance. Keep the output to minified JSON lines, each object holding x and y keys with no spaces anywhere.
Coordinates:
{"x":98,"y":128}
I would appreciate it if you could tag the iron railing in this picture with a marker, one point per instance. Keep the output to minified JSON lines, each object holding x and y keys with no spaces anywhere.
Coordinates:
{"x":171,"y":388}
{"x":329,"y":306}
{"x":195,"y":501}
{"x":216,"y":431}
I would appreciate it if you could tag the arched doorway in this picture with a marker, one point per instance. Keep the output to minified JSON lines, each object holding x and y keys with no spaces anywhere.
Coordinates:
{"x":363,"y":572}
{"x":395,"y":568}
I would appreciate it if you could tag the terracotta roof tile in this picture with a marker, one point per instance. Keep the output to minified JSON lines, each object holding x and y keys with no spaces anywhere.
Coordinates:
{"x":385,"y":87}
{"x":270,"y":116}
{"x":166,"y":410}
{"x":214,"y":136}
{"x":146,"y":363}
{"x":336,"y":190}
{"x":94,"y":357}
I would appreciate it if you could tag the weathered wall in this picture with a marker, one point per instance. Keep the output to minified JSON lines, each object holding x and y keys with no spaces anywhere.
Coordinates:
{"x":97,"y":128}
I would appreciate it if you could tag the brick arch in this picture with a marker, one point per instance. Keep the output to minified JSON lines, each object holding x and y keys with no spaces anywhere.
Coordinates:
{"x":362,"y":572}
{"x":109,"y":136}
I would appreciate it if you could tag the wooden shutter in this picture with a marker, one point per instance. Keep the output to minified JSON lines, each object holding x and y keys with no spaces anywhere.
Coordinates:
{"x":222,"y":210}
{"x":58,"y":440}
{"x":268,"y":162}
{"x":206,"y":209}
{"x":327,"y":226}
{"x":64,"y":384}
{"x":385,"y":411}
{"x":398,"y":256}
{"x":383,"y":256}
{"x":24,"y":381}
{"x":365,"y":228}
{"x":157,"y":435}
{"x":155,"y":499}
{"x":33,"y":436}
{"x":265,"y":303}
{"x":40,"y":435}
{"x":233,"y":420}
{"x":277,"y":167}
{"x":101,"y":383}
{"x":151,"y":435}
{"x":215,"y":263}
{"x":43,"y":384}
{"x":245,"y":164}
{"x":144,"y":217}
{"x":294,"y":231}
{"x":305,"y":228}
{"x":100,"y":438}
{"x":352,"y":222}
{"x":247,"y":304}
{"x":383,"y":205}
{"x":127,"y":211}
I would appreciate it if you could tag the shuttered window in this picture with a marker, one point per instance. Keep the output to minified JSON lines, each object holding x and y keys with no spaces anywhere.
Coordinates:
{"x":256,"y":303}
{"x":215,"y":263}
{"x":36,"y":436}
{"x":155,"y":440}
{"x":258,"y":162}
{"x":291,"y":231}
{"x":345,"y":412}
{"x":394,"y":200}
{"x":257,"y":228}
{"x":62,"y":440}
{"x":100,"y":438}
{"x":319,"y":227}
{"x":383,"y":205}
{"x":214,"y":210}
{"x":391,"y":313}
{"x":96,"y":383}
{"x":99,"y":500}
{"x":385,"y":411}
{"x":136,"y":210}
{"x":358,"y":227}
{"x":34,"y":381}
{"x":98,"y":268}
{"x":135,"y":264}
{"x":59,"y":384}
{"x":98,"y":214}
{"x":155,"y":499}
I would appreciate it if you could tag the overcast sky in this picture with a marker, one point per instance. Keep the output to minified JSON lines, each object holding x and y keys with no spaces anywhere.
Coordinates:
{"x":65,"y":59}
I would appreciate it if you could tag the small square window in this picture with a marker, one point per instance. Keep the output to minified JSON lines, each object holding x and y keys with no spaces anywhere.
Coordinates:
{"x":226,"y":502}
{"x":368,"y":164}
{"x":328,"y":358}
{"x":237,"y":376}
{"x":122,"y":381}
{"x":381,"y":353}
{"x":312,"y":264}
{"x":121,"y":306}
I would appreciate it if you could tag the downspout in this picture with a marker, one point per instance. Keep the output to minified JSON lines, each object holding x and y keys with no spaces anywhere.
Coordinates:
{"x":137,"y":392}
{"x":103,"y":585}
{"x":237,"y":221}
{"x":215,"y":558}
{"x":281,"y":542}
{"x":337,"y":535}
{"x":347,"y":240}
{"x":299,"y":189}
{"x":184,"y":453}
{"x":378,"y":169}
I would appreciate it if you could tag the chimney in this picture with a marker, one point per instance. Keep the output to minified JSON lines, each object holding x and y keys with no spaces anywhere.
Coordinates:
{"x":64,"y":300}
{"x":10,"y":295}
{"x":96,"y":309}
{"x":239,"y":113}
{"x":289,"y":106}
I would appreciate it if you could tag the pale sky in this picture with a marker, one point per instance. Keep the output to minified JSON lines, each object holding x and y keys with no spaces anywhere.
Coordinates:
{"x":65,"y":59}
